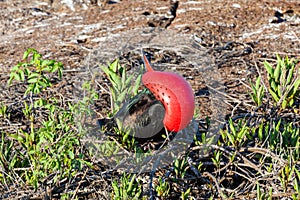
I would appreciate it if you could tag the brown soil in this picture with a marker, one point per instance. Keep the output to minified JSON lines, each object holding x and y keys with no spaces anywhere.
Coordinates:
{"x":240,"y":33}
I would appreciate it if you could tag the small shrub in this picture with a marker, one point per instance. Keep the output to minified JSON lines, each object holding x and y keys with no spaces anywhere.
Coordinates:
{"x":284,"y":81}
{"x":128,"y":188}
{"x":48,"y":144}
{"x":35,"y":71}
{"x":122,"y":87}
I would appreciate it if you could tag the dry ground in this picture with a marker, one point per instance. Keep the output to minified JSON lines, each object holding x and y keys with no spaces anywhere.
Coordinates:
{"x":240,"y":34}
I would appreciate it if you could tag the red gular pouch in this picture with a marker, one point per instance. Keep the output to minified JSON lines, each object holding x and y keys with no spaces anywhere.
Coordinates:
{"x":174,"y":92}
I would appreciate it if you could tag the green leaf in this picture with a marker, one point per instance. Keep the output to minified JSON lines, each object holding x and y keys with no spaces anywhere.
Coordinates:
{"x":291,"y":173}
{"x":298,"y":173}
{"x":138,"y":194}
{"x":123,"y":76}
{"x":130,"y":185}
{"x":290,"y":75}
{"x":52,"y":63}
{"x":254,"y":91}
{"x":242,"y":132}
{"x":231,"y":138}
{"x":296,"y":86}
{"x":116,"y":81}
{"x":71,"y":154}
{"x":136,"y":85}
{"x":32,"y":80}
{"x":273,"y":85}
{"x":45,"y":79}
{"x":27,"y":71}
{"x":296,"y":187}
{"x":43,"y":84}
{"x":261,"y":92}
{"x":17,"y":137}
{"x":18,"y":76}
{"x":279,"y":91}
{"x":59,"y":72}
{"x":291,"y":103}
{"x":284,"y":104}
{"x":26,"y":53}
{"x":269,"y":69}
{"x":15,"y":76}
{"x":277,"y":72}
{"x":44,"y":64}
{"x":274,"y":95}
{"x":282,"y":80}
{"x":105,"y":69}
{"x":257,"y":83}
{"x":54,"y":68}
{"x":12,"y":76}
{"x":46,"y":69}
{"x":121,"y":96}
{"x":33,"y":75}
{"x":36,"y":58}
{"x":114,"y":66}
{"x":278,"y":125}
{"x":260,"y":131}
{"x":112,"y":76}
{"x":259,"y":194}
{"x":21,"y":75}
{"x":36,"y":88}
{"x":16,"y":67}
{"x":232,"y":128}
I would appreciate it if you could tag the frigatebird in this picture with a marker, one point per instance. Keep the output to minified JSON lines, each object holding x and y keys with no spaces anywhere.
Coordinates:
{"x":167,"y":103}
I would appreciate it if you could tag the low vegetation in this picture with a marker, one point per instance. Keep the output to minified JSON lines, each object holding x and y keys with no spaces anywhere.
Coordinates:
{"x":257,"y":155}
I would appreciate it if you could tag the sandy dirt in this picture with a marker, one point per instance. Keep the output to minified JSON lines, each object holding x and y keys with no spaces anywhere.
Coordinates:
{"x":238,"y":35}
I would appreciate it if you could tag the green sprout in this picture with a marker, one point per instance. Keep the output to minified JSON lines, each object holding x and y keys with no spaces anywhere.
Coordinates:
{"x":121,"y":84}
{"x":284,"y":81}
{"x":35,"y":71}
{"x":128,"y":188}
{"x":257,"y":93}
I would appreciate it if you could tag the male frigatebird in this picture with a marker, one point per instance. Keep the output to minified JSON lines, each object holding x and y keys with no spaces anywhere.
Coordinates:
{"x":167,"y":102}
